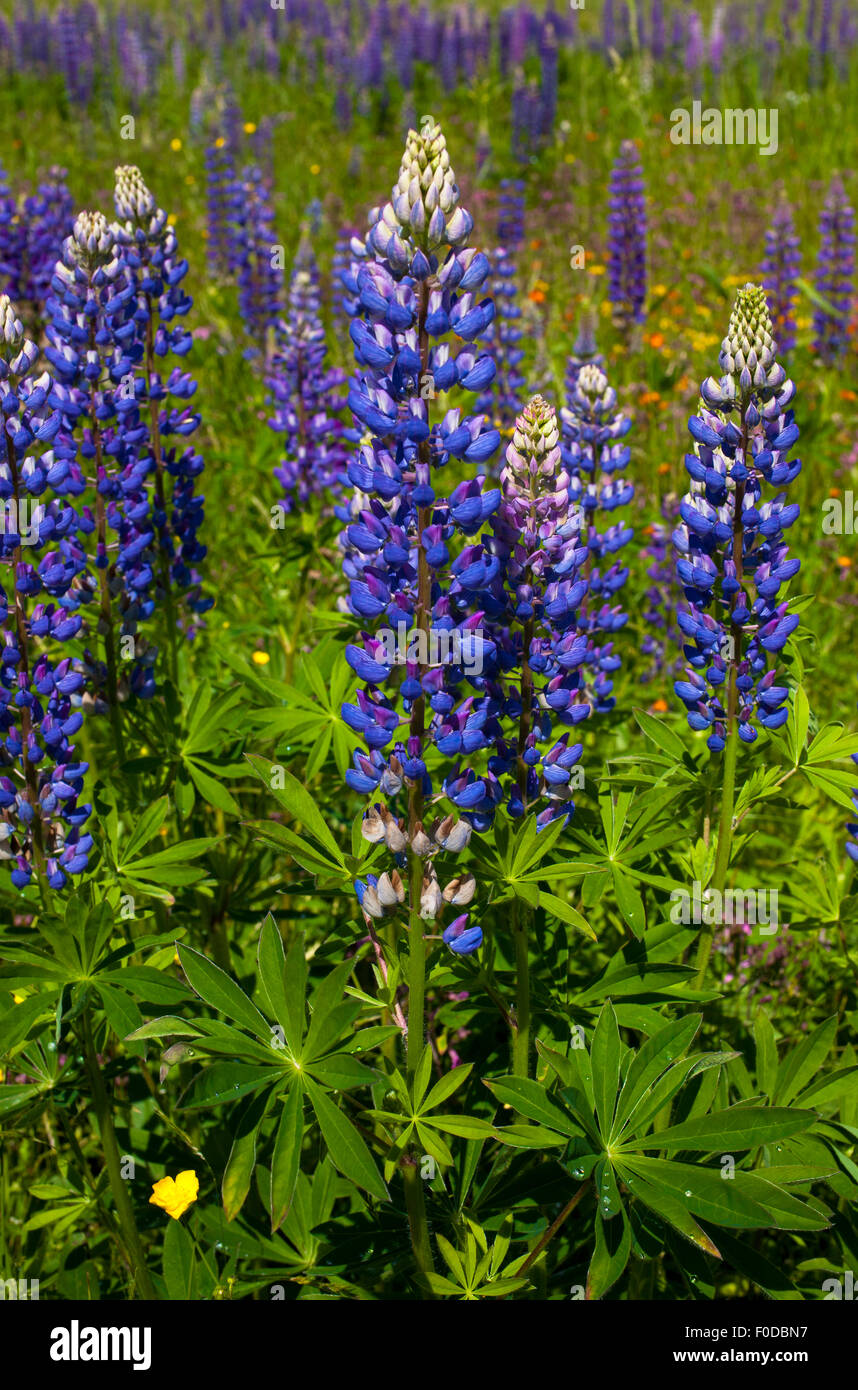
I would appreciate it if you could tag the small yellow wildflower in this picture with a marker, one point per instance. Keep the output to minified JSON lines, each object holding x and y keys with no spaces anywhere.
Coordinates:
{"x":844,"y":562}
{"x":315,"y":168}
{"x":176,"y":144}
{"x":220,"y":142}
{"x":596,"y":269}
{"x":249,"y":128}
{"x":175,"y":1195}
{"x":261,"y":658}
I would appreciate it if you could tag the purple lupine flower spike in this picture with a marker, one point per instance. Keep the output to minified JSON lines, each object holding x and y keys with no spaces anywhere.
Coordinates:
{"x":94,"y":353}
{"x":835,"y":273}
{"x":662,"y":641}
{"x":305,"y":393}
{"x":417,"y":285}
{"x":41,"y":819}
{"x":627,"y":237}
{"x":504,"y":333}
{"x":779,"y":272}
{"x":151,"y":250}
{"x":732,"y":553}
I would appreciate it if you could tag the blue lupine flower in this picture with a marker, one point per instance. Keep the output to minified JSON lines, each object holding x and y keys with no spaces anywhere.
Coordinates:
{"x":528,"y":577}
{"x":732,"y":553}
{"x":779,"y":273}
{"x":416,"y":284}
{"x":662,"y":641}
{"x":462,"y":939}
{"x":259,"y":274}
{"x":627,"y":234}
{"x":835,"y":273}
{"x":49,"y":219}
{"x":151,"y":251}
{"x":305,"y":393}
{"x":94,"y":351}
{"x":220,"y":194}
{"x":504,"y":334}
{"x":12,"y":240}
{"x":41,"y":819}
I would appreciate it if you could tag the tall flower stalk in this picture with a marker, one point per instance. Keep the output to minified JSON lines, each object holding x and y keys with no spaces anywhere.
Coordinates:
{"x":779,"y":274}
{"x":416,"y":288}
{"x":41,"y":781}
{"x":627,"y":239}
{"x":151,"y":251}
{"x":733,"y":556}
{"x":835,"y":273}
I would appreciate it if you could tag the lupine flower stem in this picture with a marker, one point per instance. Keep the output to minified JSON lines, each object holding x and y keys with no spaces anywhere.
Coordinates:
{"x":416,"y":1206}
{"x":118,"y":1186}
{"x":520,"y":913}
{"x":422,"y":621}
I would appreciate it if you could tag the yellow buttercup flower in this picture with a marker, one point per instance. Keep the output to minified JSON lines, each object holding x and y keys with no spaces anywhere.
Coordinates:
{"x":175,"y":1195}
{"x":261,"y":658}
{"x":249,"y":128}
{"x":315,"y":168}
{"x":176,"y":144}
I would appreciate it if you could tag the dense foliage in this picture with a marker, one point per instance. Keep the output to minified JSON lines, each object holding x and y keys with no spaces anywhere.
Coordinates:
{"x":426,"y":687}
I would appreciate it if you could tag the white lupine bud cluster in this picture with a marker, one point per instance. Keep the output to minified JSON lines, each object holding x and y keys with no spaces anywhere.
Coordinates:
{"x":747,"y":355}
{"x":92,"y":242}
{"x":135,"y":206}
{"x":424,"y":210}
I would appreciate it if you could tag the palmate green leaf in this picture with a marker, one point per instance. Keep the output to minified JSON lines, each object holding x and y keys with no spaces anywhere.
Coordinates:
{"x":329,"y":1016}
{"x":634,"y":979}
{"x":16,"y":1024}
{"x":465,"y":1126}
{"x":560,"y":908}
{"x":271,"y":832}
{"x":286,"y":1159}
{"x":767,"y":1053}
{"x":15,"y":1095}
{"x":610,"y":1254}
{"x":675,"y":1212}
{"x":224,"y":1082}
{"x":529,"y":1099}
{"x":838,"y":1083}
{"x":347,"y":1150}
{"x":211,"y":789}
{"x":147,"y":826}
{"x":220,"y":992}
{"x":605,"y":1054}
{"x":758,"y":1269}
{"x":170,"y":1025}
{"x":270,"y":969}
{"x":661,"y":735}
{"x":299,"y":803}
{"x":831,"y":743}
{"x":804,"y":1061}
{"x":743,"y":1201}
{"x":242,"y":1155}
{"x":341,"y":1072}
{"x":651,"y":1059}
{"x":530,"y":1136}
{"x":836,"y":784}
{"x":443,"y":1089}
{"x":738,"y":1128}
